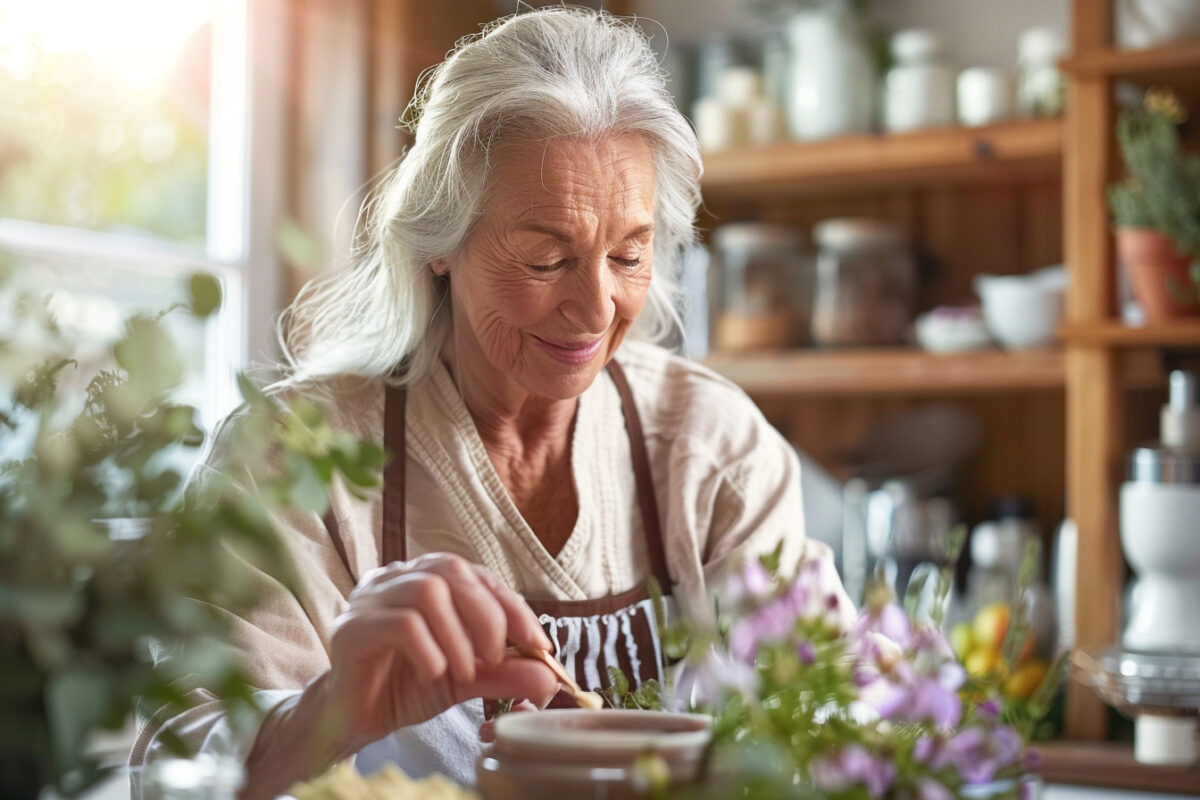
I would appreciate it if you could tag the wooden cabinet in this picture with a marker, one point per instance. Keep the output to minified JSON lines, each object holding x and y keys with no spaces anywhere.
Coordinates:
{"x":1104,"y":418}
{"x":1008,"y":198}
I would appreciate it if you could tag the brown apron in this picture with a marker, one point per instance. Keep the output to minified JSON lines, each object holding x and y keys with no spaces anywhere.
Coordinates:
{"x":588,"y":635}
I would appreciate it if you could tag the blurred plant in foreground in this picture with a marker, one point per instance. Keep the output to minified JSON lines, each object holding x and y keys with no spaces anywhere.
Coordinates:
{"x":106,"y":560}
{"x":807,"y":704}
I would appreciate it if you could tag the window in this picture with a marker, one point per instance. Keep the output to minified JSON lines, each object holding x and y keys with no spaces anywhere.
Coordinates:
{"x":126,"y":142}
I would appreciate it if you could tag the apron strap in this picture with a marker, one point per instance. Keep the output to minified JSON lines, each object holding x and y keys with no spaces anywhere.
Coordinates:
{"x":395,"y":543}
{"x":647,"y":499}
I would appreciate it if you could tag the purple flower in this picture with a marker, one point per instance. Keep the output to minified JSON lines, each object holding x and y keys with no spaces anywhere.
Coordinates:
{"x":923,"y":748}
{"x":771,"y":623}
{"x":989,"y":709}
{"x":853,"y":765}
{"x":712,"y":679}
{"x":978,"y":754}
{"x":891,"y":622}
{"x":904,"y":694}
{"x":929,"y":789}
{"x":755,"y":578}
{"x":807,"y":653}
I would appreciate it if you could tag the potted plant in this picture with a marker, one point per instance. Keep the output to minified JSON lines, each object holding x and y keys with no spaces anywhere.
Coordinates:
{"x":1157,"y":209}
{"x":102,"y":553}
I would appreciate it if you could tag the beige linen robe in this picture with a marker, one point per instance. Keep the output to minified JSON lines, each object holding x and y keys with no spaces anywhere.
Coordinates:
{"x":727,"y":485}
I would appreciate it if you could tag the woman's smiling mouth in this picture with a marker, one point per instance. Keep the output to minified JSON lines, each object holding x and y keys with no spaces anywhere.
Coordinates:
{"x":573,"y":353}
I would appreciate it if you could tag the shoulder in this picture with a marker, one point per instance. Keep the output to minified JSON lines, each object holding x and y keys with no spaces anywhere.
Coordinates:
{"x":682,"y":399}
{"x":347,"y":403}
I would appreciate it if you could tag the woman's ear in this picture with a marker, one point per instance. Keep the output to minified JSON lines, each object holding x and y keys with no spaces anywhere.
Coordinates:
{"x":440,"y":266}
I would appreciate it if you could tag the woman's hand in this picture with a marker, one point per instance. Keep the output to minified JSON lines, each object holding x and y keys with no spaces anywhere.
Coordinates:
{"x":423,"y":635}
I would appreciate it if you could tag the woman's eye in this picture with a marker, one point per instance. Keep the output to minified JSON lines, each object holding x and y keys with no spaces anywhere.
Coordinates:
{"x":628,"y":263}
{"x":557,"y":265}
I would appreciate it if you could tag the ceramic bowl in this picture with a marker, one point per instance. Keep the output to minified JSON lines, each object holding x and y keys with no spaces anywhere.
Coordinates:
{"x":585,"y":754}
{"x":1023,"y":311}
{"x":952,"y":330}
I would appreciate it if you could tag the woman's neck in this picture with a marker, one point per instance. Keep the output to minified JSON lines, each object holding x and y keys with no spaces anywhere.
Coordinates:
{"x":512,"y":423}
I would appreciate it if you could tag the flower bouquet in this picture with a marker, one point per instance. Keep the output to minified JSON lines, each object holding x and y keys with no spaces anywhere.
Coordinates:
{"x":808,"y":701}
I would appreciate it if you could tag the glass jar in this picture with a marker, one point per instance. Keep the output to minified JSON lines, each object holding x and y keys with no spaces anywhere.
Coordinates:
{"x":919,"y":89}
{"x":1040,"y":89}
{"x":866,"y":288}
{"x":763,"y":287}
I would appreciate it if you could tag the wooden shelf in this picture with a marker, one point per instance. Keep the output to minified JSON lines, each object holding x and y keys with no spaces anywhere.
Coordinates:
{"x":1005,"y":152}
{"x":1111,"y":765}
{"x":1181,"y":334}
{"x":1165,"y":63}
{"x":896,"y":371}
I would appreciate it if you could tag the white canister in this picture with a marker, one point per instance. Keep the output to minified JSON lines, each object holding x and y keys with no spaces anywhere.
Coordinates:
{"x":831,"y":82}
{"x":985,"y":95}
{"x":1040,"y":90}
{"x":1160,"y":504}
{"x":919,"y":89}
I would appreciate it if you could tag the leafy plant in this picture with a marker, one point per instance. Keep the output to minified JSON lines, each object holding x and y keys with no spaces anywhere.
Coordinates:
{"x":805,"y":705}
{"x":85,"y":605}
{"x":1162,"y":188}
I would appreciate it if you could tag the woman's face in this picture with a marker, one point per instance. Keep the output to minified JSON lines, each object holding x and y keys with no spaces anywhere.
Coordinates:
{"x":558,"y":265}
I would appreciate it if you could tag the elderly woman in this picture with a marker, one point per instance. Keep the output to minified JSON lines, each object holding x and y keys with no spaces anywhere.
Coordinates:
{"x":548,"y":460}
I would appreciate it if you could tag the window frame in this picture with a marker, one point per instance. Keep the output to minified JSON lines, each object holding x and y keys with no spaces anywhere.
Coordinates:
{"x":244,"y":202}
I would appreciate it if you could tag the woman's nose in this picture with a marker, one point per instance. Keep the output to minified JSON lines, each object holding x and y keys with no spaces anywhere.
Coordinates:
{"x":590,"y":304}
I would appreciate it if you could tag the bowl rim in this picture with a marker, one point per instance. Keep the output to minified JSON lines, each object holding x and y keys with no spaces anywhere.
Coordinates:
{"x":535,"y":728}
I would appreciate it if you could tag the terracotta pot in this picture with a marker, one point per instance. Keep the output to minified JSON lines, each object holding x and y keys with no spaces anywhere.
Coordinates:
{"x":1151,"y":261}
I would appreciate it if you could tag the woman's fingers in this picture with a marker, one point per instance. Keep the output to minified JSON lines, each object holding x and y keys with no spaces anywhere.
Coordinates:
{"x":477,"y":605}
{"x":433,"y":598}
{"x":513,"y":677}
{"x":489,"y":611}
{"x":523,"y":627}
{"x":362,"y":632}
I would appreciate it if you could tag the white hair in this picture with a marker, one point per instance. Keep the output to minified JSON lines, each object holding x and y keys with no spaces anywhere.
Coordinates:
{"x":544,"y":73}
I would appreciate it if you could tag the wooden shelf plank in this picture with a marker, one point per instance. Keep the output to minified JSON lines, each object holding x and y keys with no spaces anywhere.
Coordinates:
{"x":895,"y":371}
{"x":1007,"y":151}
{"x":1111,"y":765}
{"x":1184,"y":333}
{"x":1152,"y":64}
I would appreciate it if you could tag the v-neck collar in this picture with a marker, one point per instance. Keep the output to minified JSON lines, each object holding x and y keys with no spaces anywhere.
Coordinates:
{"x":583,"y":441}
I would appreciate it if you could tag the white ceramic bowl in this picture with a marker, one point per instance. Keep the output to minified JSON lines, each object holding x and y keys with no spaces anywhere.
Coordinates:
{"x":1023,"y":311}
{"x":952,"y":330}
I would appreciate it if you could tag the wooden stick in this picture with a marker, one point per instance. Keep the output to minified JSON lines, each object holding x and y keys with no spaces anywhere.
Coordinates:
{"x":589,"y":700}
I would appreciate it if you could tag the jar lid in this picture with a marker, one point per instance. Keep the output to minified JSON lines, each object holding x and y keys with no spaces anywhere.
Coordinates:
{"x":857,"y":233}
{"x":1040,"y":45}
{"x":916,"y":45}
{"x":756,"y":235}
{"x":1164,"y":465}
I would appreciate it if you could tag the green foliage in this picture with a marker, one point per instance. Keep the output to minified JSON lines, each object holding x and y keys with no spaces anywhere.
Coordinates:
{"x":85,"y":607}
{"x":1162,"y":188}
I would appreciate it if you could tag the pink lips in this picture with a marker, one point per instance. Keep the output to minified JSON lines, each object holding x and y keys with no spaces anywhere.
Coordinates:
{"x":573,"y":353}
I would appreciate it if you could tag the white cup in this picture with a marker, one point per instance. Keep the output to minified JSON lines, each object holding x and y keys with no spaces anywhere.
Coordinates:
{"x":985,"y":95}
{"x":1023,"y":311}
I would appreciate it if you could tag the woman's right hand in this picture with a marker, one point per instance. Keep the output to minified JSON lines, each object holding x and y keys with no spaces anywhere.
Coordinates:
{"x":423,"y":635}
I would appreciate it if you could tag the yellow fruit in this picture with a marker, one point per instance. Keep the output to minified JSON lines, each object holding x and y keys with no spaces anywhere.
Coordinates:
{"x":990,"y":625}
{"x":1027,"y":678}
{"x":962,"y":640}
{"x":982,"y":662}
